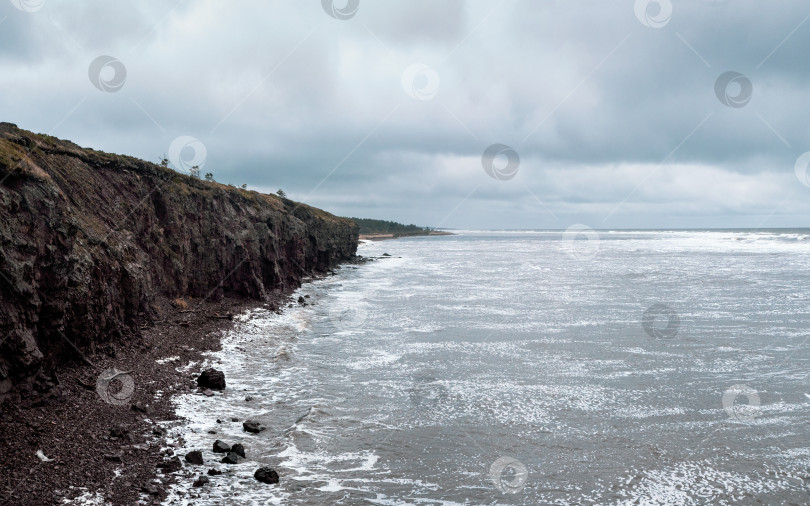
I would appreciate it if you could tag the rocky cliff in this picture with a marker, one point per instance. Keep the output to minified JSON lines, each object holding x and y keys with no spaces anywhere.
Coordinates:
{"x":88,"y":240}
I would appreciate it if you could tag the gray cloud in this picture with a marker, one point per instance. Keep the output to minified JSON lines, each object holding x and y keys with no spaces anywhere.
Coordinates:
{"x":616,"y":123}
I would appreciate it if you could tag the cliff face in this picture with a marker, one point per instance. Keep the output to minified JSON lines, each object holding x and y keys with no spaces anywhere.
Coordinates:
{"x":89,"y":239}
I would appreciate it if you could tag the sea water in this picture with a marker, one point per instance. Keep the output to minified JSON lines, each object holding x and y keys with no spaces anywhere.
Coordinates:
{"x":525,"y":367}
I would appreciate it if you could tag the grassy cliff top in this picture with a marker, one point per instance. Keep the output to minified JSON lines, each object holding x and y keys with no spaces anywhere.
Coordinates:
{"x":18,"y":147}
{"x":372,"y":227}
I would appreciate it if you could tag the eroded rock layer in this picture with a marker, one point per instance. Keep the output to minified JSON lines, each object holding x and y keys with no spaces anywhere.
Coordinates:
{"x":89,"y":239}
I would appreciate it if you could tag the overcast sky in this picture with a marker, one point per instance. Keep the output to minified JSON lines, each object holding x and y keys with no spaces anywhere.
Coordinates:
{"x":613,"y":114}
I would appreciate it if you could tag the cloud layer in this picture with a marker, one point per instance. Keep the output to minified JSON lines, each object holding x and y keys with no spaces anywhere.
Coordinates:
{"x":613,"y":107}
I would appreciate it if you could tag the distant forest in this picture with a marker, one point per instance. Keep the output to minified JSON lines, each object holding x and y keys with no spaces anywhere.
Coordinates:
{"x":368,"y":226}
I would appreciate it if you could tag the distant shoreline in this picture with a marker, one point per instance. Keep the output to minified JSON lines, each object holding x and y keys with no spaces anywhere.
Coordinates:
{"x":385,"y":237}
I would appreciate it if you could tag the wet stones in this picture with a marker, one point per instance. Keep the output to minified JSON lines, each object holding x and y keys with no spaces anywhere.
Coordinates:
{"x":212,"y":379}
{"x":234,"y":454}
{"x":195,"y":457}
{"x":221,"y":447}
{"x":172,"y":465}
{"x":230,"y":458}
{"x":253,"y":426}
{"x":266,"y":475}
{"x":238,"y":449}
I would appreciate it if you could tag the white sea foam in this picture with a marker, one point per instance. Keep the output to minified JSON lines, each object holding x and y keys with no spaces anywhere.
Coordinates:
{"x":491,"y":344}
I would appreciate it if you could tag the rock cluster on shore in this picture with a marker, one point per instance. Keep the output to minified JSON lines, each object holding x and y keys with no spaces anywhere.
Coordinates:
{"x":233,"y":455}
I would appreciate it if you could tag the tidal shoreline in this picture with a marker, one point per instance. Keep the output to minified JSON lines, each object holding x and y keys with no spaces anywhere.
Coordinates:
{"x":105,"y":450}
{"x":112,"y":451}
{"x":113,"y":271}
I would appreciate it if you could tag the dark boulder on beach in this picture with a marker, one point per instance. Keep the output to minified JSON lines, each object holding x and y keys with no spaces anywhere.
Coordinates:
{"x":266,"y":475}
{"x":221,"y":447}
{"x":200,"y":481}
{"x":195,"y":457}
{"x":231,"y":458}
{"x":238,"y":449}
{"x":254,"y":427}
{"x":211,"y":378}
{"x":172,"y":465}
{"x":214,"y":472}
